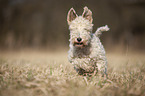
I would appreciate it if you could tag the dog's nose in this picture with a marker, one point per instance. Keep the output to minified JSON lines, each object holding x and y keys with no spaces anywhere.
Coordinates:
{"x":79,"y":39}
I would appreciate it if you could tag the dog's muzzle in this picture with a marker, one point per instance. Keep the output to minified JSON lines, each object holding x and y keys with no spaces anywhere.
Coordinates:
{"x":79,"y":42}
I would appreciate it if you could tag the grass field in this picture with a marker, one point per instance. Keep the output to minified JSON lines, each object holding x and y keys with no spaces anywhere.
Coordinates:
{"x":33,"y":73}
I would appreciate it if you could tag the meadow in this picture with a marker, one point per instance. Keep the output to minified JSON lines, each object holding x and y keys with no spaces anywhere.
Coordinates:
{"x":43,"y":73}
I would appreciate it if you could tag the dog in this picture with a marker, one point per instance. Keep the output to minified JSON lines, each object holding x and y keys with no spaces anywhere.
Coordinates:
{"x":86,"y":52}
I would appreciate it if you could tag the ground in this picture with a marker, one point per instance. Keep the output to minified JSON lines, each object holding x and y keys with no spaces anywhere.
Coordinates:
{"x":43,"y":73}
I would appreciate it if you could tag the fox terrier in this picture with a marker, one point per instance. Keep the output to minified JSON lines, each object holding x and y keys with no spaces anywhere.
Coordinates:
{"x":86,"y":52}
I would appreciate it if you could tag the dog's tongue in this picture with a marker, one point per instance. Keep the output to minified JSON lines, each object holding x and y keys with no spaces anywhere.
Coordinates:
{"x":77,"y":45}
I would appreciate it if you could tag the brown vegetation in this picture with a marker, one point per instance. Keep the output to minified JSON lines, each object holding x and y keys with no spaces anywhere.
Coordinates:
{"x":30,"y":73}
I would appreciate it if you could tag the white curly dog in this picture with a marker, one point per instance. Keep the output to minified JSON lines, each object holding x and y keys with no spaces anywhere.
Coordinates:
{"x":86,"y":52}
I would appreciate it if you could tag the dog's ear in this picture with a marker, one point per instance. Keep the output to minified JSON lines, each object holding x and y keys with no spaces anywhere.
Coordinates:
{"x":87,"y":14}
{"x":71,"y":15}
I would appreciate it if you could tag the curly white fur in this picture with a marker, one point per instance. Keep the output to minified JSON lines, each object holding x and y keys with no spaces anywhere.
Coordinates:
{"x":91,"y":56}
{"x":101,"y":29}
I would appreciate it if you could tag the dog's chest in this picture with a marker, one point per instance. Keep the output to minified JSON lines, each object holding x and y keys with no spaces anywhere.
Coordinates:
{"x":81,"y":52}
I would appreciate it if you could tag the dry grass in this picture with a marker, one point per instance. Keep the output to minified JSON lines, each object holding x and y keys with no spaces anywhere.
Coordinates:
{"x":46,"y":74}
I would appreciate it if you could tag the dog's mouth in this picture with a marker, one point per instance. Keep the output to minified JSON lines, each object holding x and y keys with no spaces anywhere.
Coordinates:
{"x":79,"y":44}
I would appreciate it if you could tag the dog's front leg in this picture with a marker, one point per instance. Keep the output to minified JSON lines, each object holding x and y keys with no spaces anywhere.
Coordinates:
{"x":102,"y":67}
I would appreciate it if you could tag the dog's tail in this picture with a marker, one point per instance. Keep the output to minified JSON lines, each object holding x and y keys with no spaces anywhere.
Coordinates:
{"x":101,"y":29}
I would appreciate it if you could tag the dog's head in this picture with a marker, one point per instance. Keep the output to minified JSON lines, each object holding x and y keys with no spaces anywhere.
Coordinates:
{"x":80,"y":27}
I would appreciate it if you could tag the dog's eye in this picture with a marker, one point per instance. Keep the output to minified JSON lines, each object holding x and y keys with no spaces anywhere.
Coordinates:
{"x":86,"y":29}
{"x":71,"y":29}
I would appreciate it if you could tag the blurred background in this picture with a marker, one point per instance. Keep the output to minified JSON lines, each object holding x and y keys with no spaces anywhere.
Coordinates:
{"x":41,"y":24}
